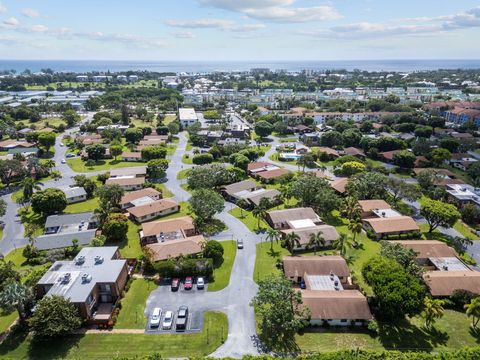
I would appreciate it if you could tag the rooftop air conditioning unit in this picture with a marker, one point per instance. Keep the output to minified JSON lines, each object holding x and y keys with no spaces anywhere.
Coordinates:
{"x":86,"y":278}
{"x":98,"y":259}
{"x":445,"y":267}
{"x":66,"y":278}
{"x":337,"y":288}
{"x":80,"y":260}
{"x":331,"y":275}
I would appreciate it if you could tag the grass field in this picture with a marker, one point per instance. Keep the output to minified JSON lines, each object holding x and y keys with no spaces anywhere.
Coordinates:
{"x":222,"y":273}
{"x":165,"y":192}
{"x":465,"y":230}
{"x":248,"y":219}
{"x":182,"y":174}
{"x":187,"y":159}
{"x":7,"y":319}
{"x":78,"y":165}
{"x":132,"y":314}
{"x":131,"y":248}
{"x":106,"y":346}
{"x":266,"y":260}
{"x":450,"y":332}
{"x":169,"y":118}
{"x":84,"y":206}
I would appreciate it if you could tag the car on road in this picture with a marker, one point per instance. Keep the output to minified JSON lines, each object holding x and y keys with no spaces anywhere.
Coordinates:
{"x":155,"y":317}
{"x":188,"y":285}
{"x":182,"y":318}
{"x":167,"y":320}
{"x":62,"y":144}
{"x":70,"y":155}
{"x":239,"y":244}
{"x":175,"y":284}
{"x":200,"y":283}
{"x":64,"y":161}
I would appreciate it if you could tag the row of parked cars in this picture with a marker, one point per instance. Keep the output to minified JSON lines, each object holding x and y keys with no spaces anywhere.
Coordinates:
{"x":167,"y":323}
{"x":188,"y":283}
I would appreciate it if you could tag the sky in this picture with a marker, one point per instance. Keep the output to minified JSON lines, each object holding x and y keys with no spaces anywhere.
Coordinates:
{"x":239,"y":30}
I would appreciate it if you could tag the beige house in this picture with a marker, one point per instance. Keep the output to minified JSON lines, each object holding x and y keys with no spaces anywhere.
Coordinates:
{"x":154,"y":209}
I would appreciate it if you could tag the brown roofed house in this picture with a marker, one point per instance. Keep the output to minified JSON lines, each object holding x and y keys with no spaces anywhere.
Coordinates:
{"x":339,"y":185}
{"x":353,"y":151}
{"x":151,"y":210}
{"x":271,"y":175}
{"x":149,"y":194}
{"x":384,"y":226}
{"x":131,"y":156}
{"x":444,"y":283}
{"x":369,"y":205}
{"x":282,"y":219}
{"x":329,"y":234}
{"x":295,"y":267}
{"x":175,"y":248}
{"x":426,"y":249}
{"x":127,"y":183}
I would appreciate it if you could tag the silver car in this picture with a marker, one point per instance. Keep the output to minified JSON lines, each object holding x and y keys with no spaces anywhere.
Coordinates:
{"x":167,"y":320}
{"x":155,"y":317}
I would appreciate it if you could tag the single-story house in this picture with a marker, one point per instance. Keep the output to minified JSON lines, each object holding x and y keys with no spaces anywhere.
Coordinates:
{"x":135,"y":171}
{"x":295,"y":267}
{"x":127,"y":182}
{"x":331,"y":153}
{"x":329,"y":234}
{"x":151,"y":210}
{"x":384,"y":226}
{"x":368,"y":206}
{"x":353,"y":151}
{"x":427,"y":249}
{"x":444,"y":283}
{"x":177,"y":247}
{"x":138,"y":197}
{"x":162,"y":230}
{"x":271,"y":175}
{"x":291,"y":218}
{"x":131,"y":156}
{"x":387,"y":156}
{"x":230,"y":191}
{"x":74,"y":194}
{"x":93,"y":282}
{"x":339,"y":185}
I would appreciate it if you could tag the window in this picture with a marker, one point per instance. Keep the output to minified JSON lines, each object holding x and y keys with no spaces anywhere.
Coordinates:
{"x":343,"y":320}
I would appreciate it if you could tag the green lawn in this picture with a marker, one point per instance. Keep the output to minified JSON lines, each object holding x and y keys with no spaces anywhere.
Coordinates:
{"x":132,"y":314}
{"x":165,"y":192}
{"x":248,"y":219}
{"x":131,"y":248}
{"x":84,"y":206}
{"x":465,"y":230}
{"x":169,"y":118}
{"x":221,"y":274}
{"x":7,"y":319}
{"x":106,"y":346}
{"x":187,"y":159}
{"x":450,"y":333}
{"x":266,"y":260}
{"x":182,"y":174}
{"x":78,"y":165}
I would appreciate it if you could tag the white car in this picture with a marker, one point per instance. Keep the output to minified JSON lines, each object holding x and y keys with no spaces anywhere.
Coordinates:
{"x":62,"y":144}
{"x":200,"y":283}
{"x":63,"y":161}
{"x":155,"y":317}
{"x":167,"y":320}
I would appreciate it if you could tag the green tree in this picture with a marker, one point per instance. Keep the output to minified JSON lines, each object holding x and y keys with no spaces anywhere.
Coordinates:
{"x":331,"y":139}
{"x":278,"y":306}
{"x":205,"y":203}
{"x":367,"y":186}
{"x":49,"y":201}
{"x":116,"y":150}
{"x":3,"y":207}
{"x":15,"y":296}
{"x":404,"y":256}
{"x":109,"y":201}
{"x":133,"y":135}
{"x":433,"y":310}
{"x":437,"y":213}
{"x":350,"y":168}
{"x":473,"y":310}
{"x":263,"y":128}
{"x":7,"y":273}
{"x":242,"y":204}
{"x":259,"y":212}
{"x":96,"y":152}
{"x":306,"y":160}
{"x":154,"y":152}
{"x":342,"y":244}
{"x":291,"y":241}
{"x":88,"y":184}
{"x":404,"y":159}
{"x":71,"y":118}
{"x":209,"y":176}
{"x":156,"y":168}
{"x":400,"y":189}
{"x":351,"y":209}
{"x":214,"y":250}
{"x":47,"y":140}
{"x":202,"y":159}
{"x":29,"y":185}
{"x":115,"y":227}
{"x":272,"y":236}
{"x":125,"y":114}
{"x":439,"y":155}
{"x":54,"y":317}
{"x":316,"y":241}
{"x":355,"y":226}
{"x":11,"y":170}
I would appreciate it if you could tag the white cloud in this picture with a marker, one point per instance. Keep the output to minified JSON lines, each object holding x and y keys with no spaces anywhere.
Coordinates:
{"x":11,"y":22}
{"x":184,"y":35}
{"x":214,"y":24}
{"x":3,"y":9}
{"x":39,"y":28}
{"x":30,"y":13}
{"x":277,"y":10}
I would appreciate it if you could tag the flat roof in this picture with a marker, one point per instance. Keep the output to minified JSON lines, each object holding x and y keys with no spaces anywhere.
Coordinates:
{"x":300,"y":224}
{"x":448,"y":264}
{"x":323,"y":282}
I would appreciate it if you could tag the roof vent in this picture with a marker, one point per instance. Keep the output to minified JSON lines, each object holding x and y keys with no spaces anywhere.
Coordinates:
{"x":80,"y":260}
{"x":331,"y":275}
{"x":86,"y":278}
{"x":66,"y":278}
{"x":337,"y":288}
{"x":98,"y":259}
{"x":445,"y":267}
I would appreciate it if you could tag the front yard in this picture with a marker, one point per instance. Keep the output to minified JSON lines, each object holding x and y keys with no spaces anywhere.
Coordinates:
{"x":131,"y":315}
{"x":222,"y":273}
{"x":78,"y":165}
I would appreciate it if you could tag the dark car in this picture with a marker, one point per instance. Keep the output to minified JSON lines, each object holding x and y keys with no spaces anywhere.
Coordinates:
{"x":182,"y":318}
{"x":175,"y":284}
{"x":188,"y":283}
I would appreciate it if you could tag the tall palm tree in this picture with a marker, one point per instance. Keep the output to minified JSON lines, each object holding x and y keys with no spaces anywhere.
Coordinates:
{"x":316,"y":241}
{"x":290,"y":241}
{"x":15,"y":296}
{"x":343,"y":243}
{"x":355,"y":226}
{"x":259,"y":212}
{"x":272,"y":236}
{"x":49,"y":164}
{"x":433,"y":310}
{"x":351,"y":209}
{"x":29,"y":186}
{"x":242,"y":204}
{"x":473,"y":310}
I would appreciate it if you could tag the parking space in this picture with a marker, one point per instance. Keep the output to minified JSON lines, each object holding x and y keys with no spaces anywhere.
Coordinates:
{"x":198,"y":302}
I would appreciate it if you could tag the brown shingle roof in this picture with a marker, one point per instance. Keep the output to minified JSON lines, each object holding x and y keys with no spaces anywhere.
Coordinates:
{"x":239,"y":186}
{"x":156,"y":227}
{"x":294,"y":266}
{"x":153,"y":207}
{"x":126,"y":181}
{"x":285,"y":215}
{"x":392,"y":225}
{"x":428,"y":248}
{"x":175,"y":248}
{"x":328,"y":151}
{"x":329,"y":233}
{"x":369,"y":205}
{"x":444,"y":283}
{"x":339,"y":185}
{"x":271,"y":174}
{"x":129,"y":154}
{"x":335,"y":305}
{"x":353,"y":151}
{"x":132,"y":170}
{"x":258,"y":165}
{"x":128,"y":197}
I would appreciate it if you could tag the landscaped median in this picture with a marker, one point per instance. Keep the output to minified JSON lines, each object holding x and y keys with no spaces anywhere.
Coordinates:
{"x":126,"y":345}
{"x":221,"y":274}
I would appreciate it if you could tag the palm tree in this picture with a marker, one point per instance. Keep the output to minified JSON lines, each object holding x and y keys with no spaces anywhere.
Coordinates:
{"x":15,"y":296}
{"x":29,"y":185}
{"x":433,"y":310}
{"x":351,"y":208}
{"x":272,"y":235}
{"x":290,"y":241}
{"x":316,"y":240}
{"x":49,"y":164}
{"x":31,"y":229}
{"x":355,"y":226}
{"x":242,"y":204}
{"x":259,"y":212}
{"x":473,"y":310}
{"x":343,"y":243}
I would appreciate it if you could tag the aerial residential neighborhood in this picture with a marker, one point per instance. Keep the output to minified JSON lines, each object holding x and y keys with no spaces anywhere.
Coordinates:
{"x":167,"y":190}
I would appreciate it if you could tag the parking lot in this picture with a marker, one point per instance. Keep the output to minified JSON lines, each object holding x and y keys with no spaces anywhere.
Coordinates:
{"x":197,"y":301}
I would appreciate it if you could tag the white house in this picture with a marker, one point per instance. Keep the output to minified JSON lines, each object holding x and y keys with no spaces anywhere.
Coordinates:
{"x":187,"y":116}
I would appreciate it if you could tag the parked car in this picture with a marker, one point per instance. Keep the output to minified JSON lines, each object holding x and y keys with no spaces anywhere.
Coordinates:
{"x":167,"y":320}
{"x":70,"y":155}
{"x":239,"y":244}
{"x":155,"y":317}
{"x":188,"y":283}
{"x":182,"y":317}
{"x":175,"y":284}
{"x":62,"y":144}
{"x":63,"y":161}
{"x":200,"y":283}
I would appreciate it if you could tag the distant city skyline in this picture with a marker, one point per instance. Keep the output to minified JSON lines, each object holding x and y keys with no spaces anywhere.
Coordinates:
{"x":229,"y":30}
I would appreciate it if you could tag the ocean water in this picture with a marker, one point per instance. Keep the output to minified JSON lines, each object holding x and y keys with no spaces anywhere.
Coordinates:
{"x":81,"y":66}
